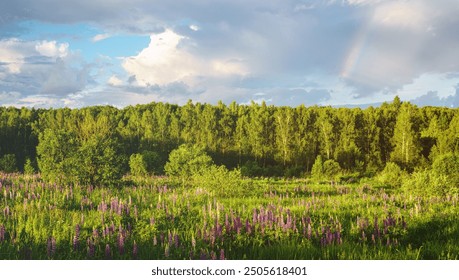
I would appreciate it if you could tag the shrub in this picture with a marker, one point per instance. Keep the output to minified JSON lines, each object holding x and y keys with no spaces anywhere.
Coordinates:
{"x":137,"y":165}
{"x":331,"y":169}
{"x":426,"y":183}
{"x":28,"y":167}
{"x":8,"y":163}
{"x":317,"y":170}
{"x":186,"y":161}
{"x":392,"y":175}
{"x":221,"y":181}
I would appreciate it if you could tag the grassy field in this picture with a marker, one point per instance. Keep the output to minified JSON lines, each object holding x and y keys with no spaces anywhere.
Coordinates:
{"x":159,"y":218}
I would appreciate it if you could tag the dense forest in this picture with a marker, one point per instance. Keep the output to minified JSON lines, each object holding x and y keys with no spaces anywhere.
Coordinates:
{"x":97,"y":144}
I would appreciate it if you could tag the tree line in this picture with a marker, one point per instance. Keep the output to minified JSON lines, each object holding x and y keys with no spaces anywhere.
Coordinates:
{"x":99,"y":144}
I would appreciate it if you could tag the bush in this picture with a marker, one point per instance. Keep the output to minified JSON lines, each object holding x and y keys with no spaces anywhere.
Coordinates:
{"x":447,"y":165}
{"x":221,"y":181}
{"x":427,"y":183}
{"x":137,"y":165}
{"x":8,"y":163}
{"x":153,"y":162}
{"x":28,"y":167}
{"x":186,"y":161}
{"x":331,"y":169}
{"x":392,"y":175}
{"x":317,"y":170}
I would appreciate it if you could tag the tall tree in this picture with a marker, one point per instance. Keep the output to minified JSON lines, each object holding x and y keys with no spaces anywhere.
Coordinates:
{"x":406,"y":137}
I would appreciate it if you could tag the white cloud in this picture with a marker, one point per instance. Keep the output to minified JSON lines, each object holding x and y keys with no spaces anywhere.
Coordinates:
{"x":194,"y":27}
{"x":52,"y":49}
{"x":167,"y":60}
{"x":411,"y":14}
{"x":115,"y":81}
{"x":11,"y":55}
{"x":101,"y":37}
{"x":363,"y":2}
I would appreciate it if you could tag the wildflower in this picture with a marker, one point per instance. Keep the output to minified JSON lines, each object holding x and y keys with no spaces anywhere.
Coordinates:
{"x":108,"y":253}
{"x":222,"y":254}
{"x":134,"y":250}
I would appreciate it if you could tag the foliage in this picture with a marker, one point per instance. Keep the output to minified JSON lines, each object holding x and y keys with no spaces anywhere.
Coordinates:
{"x":392,"y":175}
{"x":447,"y":167}
{"x":331,"y":169}
{"x":29,"y":169}
{"x":277,"y":139}
{"x":317,"y":171}
{"x":186,"y":161}
{"x":138,"y":165}
{"x":221,"y":181}
{"x":57,"y":151}
{"x":8,"y":163}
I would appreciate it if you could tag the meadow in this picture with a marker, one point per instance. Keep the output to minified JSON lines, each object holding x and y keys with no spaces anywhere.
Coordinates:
{"x":264,"y":218}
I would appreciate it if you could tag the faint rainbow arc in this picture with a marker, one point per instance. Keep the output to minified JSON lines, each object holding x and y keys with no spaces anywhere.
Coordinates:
{"x":355,"y":52}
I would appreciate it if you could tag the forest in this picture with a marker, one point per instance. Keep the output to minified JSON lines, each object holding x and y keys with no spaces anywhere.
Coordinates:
{"x":259,"y":139}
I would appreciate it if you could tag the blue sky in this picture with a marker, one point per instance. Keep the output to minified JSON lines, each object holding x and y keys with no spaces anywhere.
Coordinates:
{"x":285,"y":52}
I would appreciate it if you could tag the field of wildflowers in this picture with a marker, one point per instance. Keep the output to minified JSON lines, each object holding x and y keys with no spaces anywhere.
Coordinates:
{"x":159,"y":218}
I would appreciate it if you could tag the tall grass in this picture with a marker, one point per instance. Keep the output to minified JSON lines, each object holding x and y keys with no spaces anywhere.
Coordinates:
{"x":160,"y":218}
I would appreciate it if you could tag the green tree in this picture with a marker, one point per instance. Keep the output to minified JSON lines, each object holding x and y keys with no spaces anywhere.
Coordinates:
{"x":29,"y":169}
{"x":317,"y":171}
{"x":406,"y":138}
{"x":56,"y":150}
{"x":187,"y":160}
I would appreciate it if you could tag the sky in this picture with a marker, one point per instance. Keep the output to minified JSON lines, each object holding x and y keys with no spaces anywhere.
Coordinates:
{"x":56,"y":53}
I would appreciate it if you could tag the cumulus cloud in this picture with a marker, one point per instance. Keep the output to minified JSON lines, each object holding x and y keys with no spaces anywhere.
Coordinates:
{"x":52,"y":49}
{"x":166,"y":60}
{"x":39,"y":72}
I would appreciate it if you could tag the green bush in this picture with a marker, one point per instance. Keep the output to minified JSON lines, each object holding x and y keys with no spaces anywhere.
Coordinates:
{"x":317,"y":170}
{"x":392,"y":175}
{"x":426,"y":183}
{"x":447,"y":165}
{"x":8,"y":163}
{"x":186,"y":161}
{"x":29,"y":169}
{"x":137,"y":165}
{"x":221,"y":181}
{"x":331,"y":169}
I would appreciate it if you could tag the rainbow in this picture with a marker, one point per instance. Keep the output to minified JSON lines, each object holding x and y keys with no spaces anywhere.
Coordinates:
{"x":355,"y":52}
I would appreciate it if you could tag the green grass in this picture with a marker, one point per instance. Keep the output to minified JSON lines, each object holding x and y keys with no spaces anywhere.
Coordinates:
{"x":158,"y":218}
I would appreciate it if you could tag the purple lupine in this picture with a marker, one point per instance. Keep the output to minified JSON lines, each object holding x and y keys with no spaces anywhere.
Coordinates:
{"x":95,"y":234}
{"x":121,"y":243}
{"x":170,"y":238}
{"x":2,"y":233}
{"x":213,"y":256}
{"x":155,"y":241}
{"x":134,"y":250}
{"x":91,"y":249}
{"x":76,"y":238}
{"x":222,"y":254}
{"x":176,"y":241}
{"x":108,"y":252}
{"x":309,"y":231}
